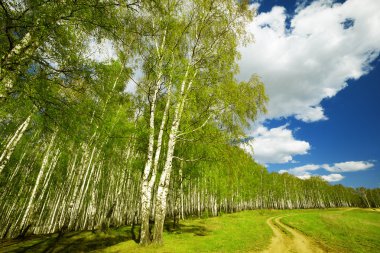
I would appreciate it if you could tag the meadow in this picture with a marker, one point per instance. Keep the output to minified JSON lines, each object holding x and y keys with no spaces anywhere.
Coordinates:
{"x":330,"y":230}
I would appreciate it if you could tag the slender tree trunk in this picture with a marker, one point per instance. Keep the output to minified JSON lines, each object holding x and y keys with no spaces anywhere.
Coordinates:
{"x":149,"y":175}
{"x":22,"y":50}
{"x":39,"y":177}
{"x":146,"y":191}
{"x":182,"y":216}
{"x":163,"y":185}
{"x":11,"y":145}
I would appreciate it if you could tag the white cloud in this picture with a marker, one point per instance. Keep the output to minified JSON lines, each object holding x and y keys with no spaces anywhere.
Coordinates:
{"x":348,"y":166}
{"x":312,"y":114}
{"x":304,"y":176}
{"x":314,"y":59}
{"x":302,"y":169}
{"x":333,"y":177}
{"x":276,"y":145}
{"x":101,"y":51}
{"x":303,"y":172}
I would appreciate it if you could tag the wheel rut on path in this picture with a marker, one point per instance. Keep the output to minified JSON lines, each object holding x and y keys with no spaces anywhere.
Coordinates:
{"x":287,"y":239}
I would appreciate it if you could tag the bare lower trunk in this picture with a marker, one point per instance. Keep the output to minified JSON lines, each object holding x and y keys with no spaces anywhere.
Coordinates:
{"x":163,"y":185}
{"x":145,"y":213}
{"x":11,"y":145}
{"x":149,"y":174}
{"x":39,"y":177}
{"x":160,"y":212}
{"x":146,"y":190}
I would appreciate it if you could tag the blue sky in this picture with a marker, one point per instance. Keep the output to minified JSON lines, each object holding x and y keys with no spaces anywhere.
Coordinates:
{"x":320,"y":63}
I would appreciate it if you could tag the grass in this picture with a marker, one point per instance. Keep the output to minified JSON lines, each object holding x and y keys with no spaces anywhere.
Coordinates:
{"x":83,"y":241}
{"x":239,"y":232}
{"x":340,"y":230}
{"x":283,"y":229}
{"x":337,"y":230}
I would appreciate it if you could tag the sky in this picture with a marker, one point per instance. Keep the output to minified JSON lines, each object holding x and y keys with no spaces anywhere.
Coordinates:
{"x":319,"y":61}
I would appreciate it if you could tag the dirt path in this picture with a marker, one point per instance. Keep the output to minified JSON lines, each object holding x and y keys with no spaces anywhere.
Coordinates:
{"x":287,"y":239}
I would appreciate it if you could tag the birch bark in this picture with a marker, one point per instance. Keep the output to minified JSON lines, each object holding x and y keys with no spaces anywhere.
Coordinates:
{"x":39,"y":177}
{"x":11,"y":145}
{"x":163,"y":185}
{"x":149,"y":175}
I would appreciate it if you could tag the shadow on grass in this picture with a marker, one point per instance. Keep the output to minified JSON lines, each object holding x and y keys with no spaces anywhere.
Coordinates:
{"x":84,"y":241}
{"x":197,"y":230}
{"x":70,"y":242}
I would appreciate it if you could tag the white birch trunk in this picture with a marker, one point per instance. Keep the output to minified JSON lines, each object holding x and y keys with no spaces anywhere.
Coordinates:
{"x":146,"y":192}
{"x":39,"y":177}
{"x":163,"y":185}
{"x":11,"y":145}
{"x":79,"y":198}
{"x":146,"y":186}
{"x":22,"y":50}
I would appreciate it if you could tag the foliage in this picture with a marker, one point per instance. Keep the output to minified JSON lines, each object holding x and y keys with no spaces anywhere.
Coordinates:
{"x":79,"y":152}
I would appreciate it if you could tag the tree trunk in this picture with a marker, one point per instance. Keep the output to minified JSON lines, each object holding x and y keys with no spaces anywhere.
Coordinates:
{"x":149,"y":176}
{"x":146,"y":190}
{"x":11,"y":145}
{"x":163,"y":185}
{"x":39,"y":177}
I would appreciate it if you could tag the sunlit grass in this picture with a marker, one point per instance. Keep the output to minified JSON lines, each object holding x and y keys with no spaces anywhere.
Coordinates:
{"x":239,"y":232}
{"x":355,"y":230}
{"x":337,"y":230}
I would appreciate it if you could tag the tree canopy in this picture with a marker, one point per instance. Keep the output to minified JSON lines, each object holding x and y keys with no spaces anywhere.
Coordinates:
{"x":80,"y":151}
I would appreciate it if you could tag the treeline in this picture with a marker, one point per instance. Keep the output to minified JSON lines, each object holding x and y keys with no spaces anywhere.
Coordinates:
{"x":61,"y":185}
{"x":80,"y":152}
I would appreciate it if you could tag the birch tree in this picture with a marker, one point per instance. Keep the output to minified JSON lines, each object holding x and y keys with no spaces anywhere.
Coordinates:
{"x":197,"y":41}
{"x":80,"y":152}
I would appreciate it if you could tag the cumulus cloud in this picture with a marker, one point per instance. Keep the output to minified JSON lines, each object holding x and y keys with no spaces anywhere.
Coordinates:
{"x":333,"y":177}
{"x":348,"y":166}
{"x":304,"y":172}
{"x":327,"y":44}
{"x":302,"y":169}
{"x":276,"y":145}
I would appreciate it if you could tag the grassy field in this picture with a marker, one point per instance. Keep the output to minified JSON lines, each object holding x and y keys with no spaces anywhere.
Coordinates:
{"x":338,"y":230}
{"x":244,"y":231}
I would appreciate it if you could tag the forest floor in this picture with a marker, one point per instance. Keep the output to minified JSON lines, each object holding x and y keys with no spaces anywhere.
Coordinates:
{"x":314,"y":230}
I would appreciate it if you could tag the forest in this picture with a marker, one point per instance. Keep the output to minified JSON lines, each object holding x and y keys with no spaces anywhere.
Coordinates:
{"x":150,"y":134}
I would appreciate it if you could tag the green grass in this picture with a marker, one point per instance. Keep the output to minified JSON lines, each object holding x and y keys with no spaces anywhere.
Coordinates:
{"x":239,"y":232}
{"x":283,"y":229}
{"x":337,"y":230}
{"x":83,"y":241}
{"x":340,"y":230}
